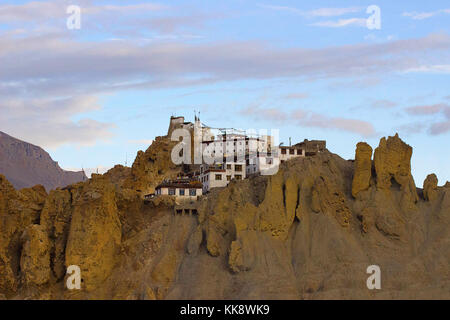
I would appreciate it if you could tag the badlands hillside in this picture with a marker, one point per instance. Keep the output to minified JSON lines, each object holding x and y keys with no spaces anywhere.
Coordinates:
{"x":308,"y":232}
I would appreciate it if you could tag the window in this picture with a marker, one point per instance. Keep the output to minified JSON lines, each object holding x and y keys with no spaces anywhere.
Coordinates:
{"x":228,"y":178}
{"x":238,"y":167}
{"x":238,"y":177}
{"x":192,"y":192}
{"x":171,"y":191}
{"x":292,"y":151}
{"x":218,"y":177}
{"x":181,"y":192}
{"x":283,"y":151}
{"x":228,"y":166}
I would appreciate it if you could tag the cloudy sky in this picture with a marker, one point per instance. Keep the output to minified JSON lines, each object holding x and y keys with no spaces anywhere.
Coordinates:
{"x":94,"y":96}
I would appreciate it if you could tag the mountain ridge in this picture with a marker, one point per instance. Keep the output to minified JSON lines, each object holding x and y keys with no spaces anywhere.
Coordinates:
{"x":26,"y":165}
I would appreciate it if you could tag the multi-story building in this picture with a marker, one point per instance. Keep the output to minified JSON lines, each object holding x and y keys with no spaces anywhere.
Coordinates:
{"x":220,"y":174}
{"x":261,"y":163}
{"x":226,"y":154}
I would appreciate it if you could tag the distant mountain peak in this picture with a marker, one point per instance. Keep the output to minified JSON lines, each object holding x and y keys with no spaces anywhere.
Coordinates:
{"x":26,"y":165}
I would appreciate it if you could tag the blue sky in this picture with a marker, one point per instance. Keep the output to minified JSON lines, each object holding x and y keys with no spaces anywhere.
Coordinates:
{"x":95,"y":96}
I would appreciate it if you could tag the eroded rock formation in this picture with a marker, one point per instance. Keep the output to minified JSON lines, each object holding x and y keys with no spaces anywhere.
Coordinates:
{"x":430,"y":187}
{"x":363,"y":168}
{"x":392,"y":161}
{"x":307,"y":232}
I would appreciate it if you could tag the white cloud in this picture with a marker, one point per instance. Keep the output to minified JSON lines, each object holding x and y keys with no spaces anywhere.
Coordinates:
{"x":320,"y":12}
{"x":425,"y":15}
{"x":35,"y":11}
{"x":49,"y":79}
{"x":383,"y":104}
{"x":428,"y":109}
{"x":441,"y":109}
{"x":296,"y":96}
{"x":333,"y":12}
{"x":48,"y":122}
{"x":306,"y":118}
{"x":360,"y":22}
{"x":440,"y":68}
{"x":66,"y":65}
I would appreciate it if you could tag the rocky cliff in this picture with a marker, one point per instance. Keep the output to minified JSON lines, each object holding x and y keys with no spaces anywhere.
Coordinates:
{"x":308,"y":232}
{"x":26,"y":165}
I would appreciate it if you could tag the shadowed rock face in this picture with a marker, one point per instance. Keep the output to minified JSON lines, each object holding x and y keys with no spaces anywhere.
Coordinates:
{"x":26,"y":165}
{"x":303,"y":233}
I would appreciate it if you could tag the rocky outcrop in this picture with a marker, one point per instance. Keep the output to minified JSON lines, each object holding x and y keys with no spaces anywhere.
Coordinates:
{"x":55,"y":219}
{"x":152,"y":166}
{"x":35,"y":256}
{"x":392,"y":160}
{"x":363,"y":168}
{"x":303,"y":233}
{"x":430,"y":188}
{"x":18,"y":210}
{"x":95,"y":232}
{"x":327,"y":198}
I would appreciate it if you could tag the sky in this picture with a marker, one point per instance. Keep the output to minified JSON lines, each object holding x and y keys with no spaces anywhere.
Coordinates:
{"x":341,"y":71}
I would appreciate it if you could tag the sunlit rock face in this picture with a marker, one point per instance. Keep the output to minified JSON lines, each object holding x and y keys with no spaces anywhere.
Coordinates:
{"x":308,"y":232}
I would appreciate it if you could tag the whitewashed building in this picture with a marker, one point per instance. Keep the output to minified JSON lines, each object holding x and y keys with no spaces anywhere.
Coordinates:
{"x":262,"y":163}
{"x":287,"y":153}
{"x":181,"y":189}
{"x":219,"y":175}
{"x":227,"y":154}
